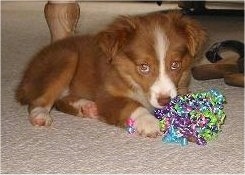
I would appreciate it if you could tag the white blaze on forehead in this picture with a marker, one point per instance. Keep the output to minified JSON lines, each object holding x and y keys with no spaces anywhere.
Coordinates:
{"x":161,"y":46}
{"x":163,"y":84}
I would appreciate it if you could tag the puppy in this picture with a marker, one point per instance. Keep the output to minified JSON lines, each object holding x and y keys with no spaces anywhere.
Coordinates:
{"x":135,"y":64}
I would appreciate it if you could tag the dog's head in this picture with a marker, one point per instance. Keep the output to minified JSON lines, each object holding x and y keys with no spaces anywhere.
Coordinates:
{"x":151,"y":52}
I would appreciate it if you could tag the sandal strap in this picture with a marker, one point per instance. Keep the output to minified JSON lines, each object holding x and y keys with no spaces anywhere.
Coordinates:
{"x":213,"y":54}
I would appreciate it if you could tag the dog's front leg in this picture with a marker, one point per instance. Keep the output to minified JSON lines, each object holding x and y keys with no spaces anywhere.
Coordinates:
{"x":145,"y":123}
{"x":117,"y":110}
{"x":183,"y":85}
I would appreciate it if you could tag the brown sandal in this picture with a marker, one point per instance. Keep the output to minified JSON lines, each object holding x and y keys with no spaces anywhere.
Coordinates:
{"x":235,"y":79}
{"x":213,"y":71}
{"x":233,"y":74}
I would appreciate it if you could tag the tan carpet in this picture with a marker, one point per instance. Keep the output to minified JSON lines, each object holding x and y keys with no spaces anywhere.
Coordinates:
{"x":76,"y":145}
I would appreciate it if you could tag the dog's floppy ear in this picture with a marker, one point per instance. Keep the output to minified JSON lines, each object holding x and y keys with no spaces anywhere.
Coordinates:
{"x":192,"y":31}
{"x":116,"y":35}
{"x":196,"y":36}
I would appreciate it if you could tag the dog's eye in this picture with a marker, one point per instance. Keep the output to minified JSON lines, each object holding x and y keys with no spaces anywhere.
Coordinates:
{"x":175,"y":65}
{"x":144,"y":68}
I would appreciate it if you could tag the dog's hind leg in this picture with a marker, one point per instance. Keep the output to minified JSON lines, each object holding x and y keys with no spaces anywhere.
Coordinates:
{"x":53,"y":84}
{"x":77,"y":106}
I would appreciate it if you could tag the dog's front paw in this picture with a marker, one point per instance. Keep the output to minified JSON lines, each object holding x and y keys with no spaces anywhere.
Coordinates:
{"x":86,"y":108}
{"x":89,"y":110}
{"x":145,"y":123}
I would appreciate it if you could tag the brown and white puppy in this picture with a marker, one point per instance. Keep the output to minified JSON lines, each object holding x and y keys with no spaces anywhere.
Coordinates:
{"x":135,"y":64}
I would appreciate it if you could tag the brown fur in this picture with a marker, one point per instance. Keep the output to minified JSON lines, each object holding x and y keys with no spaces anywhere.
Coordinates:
{"x":97,"y":67}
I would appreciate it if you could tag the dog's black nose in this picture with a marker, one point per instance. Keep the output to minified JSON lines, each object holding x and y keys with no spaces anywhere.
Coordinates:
{"x":163,"y":100}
